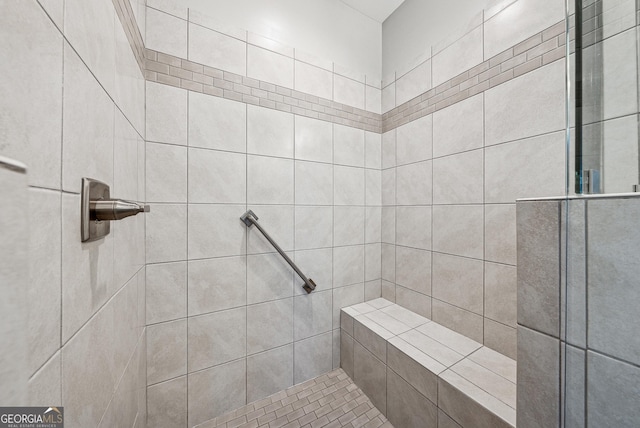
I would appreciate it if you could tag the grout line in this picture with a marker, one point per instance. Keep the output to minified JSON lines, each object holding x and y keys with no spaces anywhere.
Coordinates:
{"x":188,"y":149}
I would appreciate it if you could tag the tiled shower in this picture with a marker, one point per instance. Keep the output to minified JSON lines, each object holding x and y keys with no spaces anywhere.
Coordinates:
{"x":380,"y":176}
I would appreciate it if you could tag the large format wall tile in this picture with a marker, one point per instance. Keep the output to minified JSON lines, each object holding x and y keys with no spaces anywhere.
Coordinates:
{"x":373,"y":99}
{"x":500,"y":233}
{"x":166,"y":173}
{"x":313,"y":139}
{"x":415,"y":367}
{"x":347,"y":91}
{"x":620,"y":154}
{"x":414,"y":141}
{"x":166,"y":286}
{"x":538,"y":374}
{"x":217,"y":123}
{"x":539,"y":266}
{"x":312,"y":357}
{"x":166,"y":114}
{"x":611,"y":391}
{"x":413,"y":227}
{"x":458,"y":281}
{"x":217,"y":50}
{"x":44,"y":290}
{"x":514,"y":111}
{"x":348,"y":146}
{"x":459,"y":178}
{"x":317,"y":265}
{"x":217,"y":390}
{"x":269,"y":66}
{"x":518,"y":21}
{"x":501,"y":338}
{"x":461,"y":55}
{"x":313,"y":227}
{"x":32,"y":130}
{"x":414,"y":301}
{"x":314,"y":183}
{"x":414,"y":184}
{"x":269,"y":372}
{"x":457,"y":319}
{"x":269,"y":132}
{"x":348,"y":225}
{"x":268,"y":278}
{"x":312,"y":314}
{"x":313,"y":80}
{"x":279,"y":219}
{"x":514,"y":170}
{"x":459,"y":128}
{"x":87,"y":271}
{"x":87,"y":147}
{"x":269,"y":325}
{"x":167,"y":404}
{"x":406,"y":407}
{"x":388,"y":97}
{"x":346,"y":296}
{"x":166,"y":33}
{"x":500,"y":287}
{"x":217,"y":177}
{"x":90,"y":386}
{"x":458,"y":229}
{"x":217,"y":284}
{"x":348,"y":265}
{"x":166,"y":233}
{"x":166,"y":351}
{"x":89,"y":28}
{"x":370,"y":373}
{"x":413,"y":269}
{"x":414,"y":83}
{"x":269,"y":180}
{"x":129,"y":92}
{"x":389,"y":149}
{"x":216,"y":231}
{"x":612,"y":277}
{"x":216,"y":338}
{"x":612,"y":95}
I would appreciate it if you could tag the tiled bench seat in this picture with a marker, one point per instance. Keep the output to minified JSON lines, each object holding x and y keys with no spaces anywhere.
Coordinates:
{"x":420,"y":374}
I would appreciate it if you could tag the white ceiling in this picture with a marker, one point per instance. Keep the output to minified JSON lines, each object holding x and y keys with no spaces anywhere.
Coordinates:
{"x":378,"y":10}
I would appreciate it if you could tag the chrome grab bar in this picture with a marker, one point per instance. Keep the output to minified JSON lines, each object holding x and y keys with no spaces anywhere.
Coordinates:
{"x":249,"y":218}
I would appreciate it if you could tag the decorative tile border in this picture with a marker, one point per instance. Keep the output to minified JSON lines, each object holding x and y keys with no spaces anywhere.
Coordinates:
{"x":131,"y":29}
{"x":181,"y":73}
{"x":536,"y":51}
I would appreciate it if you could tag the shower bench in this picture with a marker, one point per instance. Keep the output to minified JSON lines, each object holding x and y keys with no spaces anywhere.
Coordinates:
{"x":421,"y":374}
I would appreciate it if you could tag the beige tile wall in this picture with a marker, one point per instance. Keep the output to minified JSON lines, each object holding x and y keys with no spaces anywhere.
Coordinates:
{"x":222,"y":306}
{"x":456,"y":157}
{"x":73,"y":106}
{"x":304,"y":150}
{"x":427,"y":204}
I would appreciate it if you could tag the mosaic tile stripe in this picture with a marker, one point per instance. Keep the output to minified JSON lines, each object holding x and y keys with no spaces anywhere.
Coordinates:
{"x":535,"y":52}
{"x":131,"y":29}
{"x":331,"y":400}
{"x":181,"y":73}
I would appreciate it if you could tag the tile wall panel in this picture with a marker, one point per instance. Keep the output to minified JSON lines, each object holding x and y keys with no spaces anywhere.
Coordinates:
{"x":193,"y":92}
{"x":86,"y":63}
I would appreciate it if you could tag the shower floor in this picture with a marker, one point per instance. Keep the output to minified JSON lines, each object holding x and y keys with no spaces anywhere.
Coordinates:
{"x":331,"y":400}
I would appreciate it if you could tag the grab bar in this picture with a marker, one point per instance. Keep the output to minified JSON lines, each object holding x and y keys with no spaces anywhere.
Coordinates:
{"x":249,"y":218}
